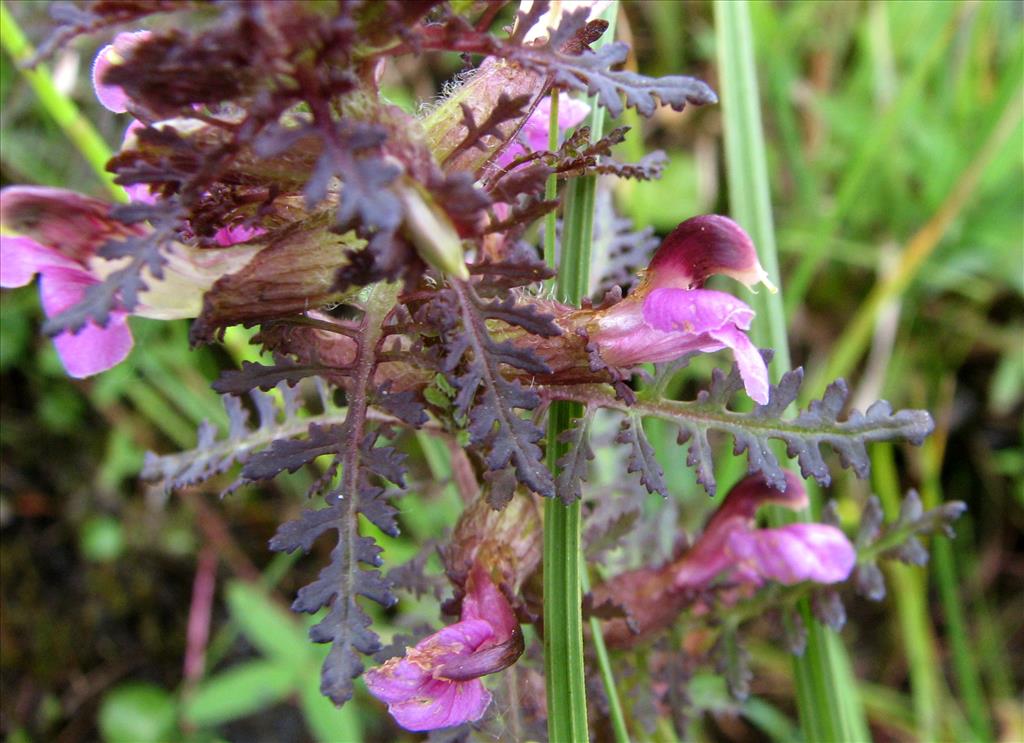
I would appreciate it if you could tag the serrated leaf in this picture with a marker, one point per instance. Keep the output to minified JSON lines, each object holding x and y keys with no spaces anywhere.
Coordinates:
{"x":351,"y":571}
{"x":803,"y":435}
{"x":291,"y":454}
{"x":486,"y":397}
{"x":327,"y":722}
{"x":641,"y":455}
{"x":733,"y":661}
{"x":828,"y":608}
{"x":573,"y":467}
{"x":870,"y":582}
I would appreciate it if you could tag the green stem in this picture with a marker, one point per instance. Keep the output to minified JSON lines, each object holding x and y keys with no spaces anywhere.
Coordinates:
{"x":604,"y":664}
{"x":61,"y":108}
{"x":565,"y":679}
{"x":551,"y":187}
{"x":563,"y":623}
{"x":827,"y":697}
{"x":944,"y":572}
{"x":910,"y":595}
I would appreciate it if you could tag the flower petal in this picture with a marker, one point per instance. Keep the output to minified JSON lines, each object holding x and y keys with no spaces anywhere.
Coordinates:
{"x":93,"y":348}
{"x":21,"y":258}
{"x":113,"y":97}
{"x":721,"y":317}
{"x":701,"y":247}
{"x":794,"y":553}
{"x":570,"y":113}
{"x":694,"y":311}
{"x":709,"y":556}
{"x":401,"y":678}
{"x":444,"y":704}
{"x":485,"y":601}
{"x":238,"y":233}
{"x":753,"y":370}
{"x":535,"y":130}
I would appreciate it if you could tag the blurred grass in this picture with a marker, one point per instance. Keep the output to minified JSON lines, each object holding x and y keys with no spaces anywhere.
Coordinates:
{"x":874,"y":114}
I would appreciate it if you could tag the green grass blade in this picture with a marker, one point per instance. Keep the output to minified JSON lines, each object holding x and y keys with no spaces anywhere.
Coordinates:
{"x":944,"y":571}
{"x":827,"y":696}
{"x":909,"y":590}
{"x":855,"y":339}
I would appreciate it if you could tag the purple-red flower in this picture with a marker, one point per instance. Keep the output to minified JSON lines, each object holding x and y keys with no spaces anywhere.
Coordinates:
{"x":57,"y":233}
{"x":62,"y":285}
{"x":669,"y":315}
{"x":437,"y":683}
{"x":732,"y":544}
{"x":113,"y":97}
{"x":731,"y":553}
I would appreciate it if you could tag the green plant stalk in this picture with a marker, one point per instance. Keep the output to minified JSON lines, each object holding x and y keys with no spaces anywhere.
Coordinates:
{"x":551,"y":189}
{"x":909,"y":593}
{"x":62,"y":109}
{"x":964,"y":657}
{"x":827,"y":697}
{"x":618,"y":719}
{"x":565,"y":679}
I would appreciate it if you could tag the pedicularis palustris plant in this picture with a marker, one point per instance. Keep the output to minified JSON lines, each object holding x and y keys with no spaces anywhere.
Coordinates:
{"x":389,"y":261}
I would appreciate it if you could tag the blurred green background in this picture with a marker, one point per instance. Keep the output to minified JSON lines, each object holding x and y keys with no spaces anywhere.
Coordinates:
{"x":896,"y":158}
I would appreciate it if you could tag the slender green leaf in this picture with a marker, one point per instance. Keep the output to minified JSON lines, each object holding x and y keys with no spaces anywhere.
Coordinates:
{"x":241,"y":690}
{"x":273,"y":631}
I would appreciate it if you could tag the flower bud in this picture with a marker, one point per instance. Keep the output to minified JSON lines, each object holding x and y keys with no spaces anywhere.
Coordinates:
{"x":507,"y":543}
{"x":432,"y":232}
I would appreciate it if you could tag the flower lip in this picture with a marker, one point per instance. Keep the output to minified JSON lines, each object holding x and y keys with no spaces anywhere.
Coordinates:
{"x":709,"y":556}
{"x":701,"y":247}
{"x":68,"y":223}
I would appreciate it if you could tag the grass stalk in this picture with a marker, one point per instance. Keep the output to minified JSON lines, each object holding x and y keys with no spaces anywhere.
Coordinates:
{"x":964,"y":657}
{"x":827,"y":696}
{"x":565,"y":679}
{"x":909,"y":591}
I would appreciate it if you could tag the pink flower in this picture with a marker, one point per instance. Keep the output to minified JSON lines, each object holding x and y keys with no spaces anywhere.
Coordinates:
{"x":535,"y":131}
{"x":66,"y":229}
{"x":733,"y":544}
{"x":57,"y":233}
{"x":668,"y":315}
{"x":62,"y":285}
{"x":437,"y":683}
{"x":792,"y":554}
{"x":731,"y":549}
